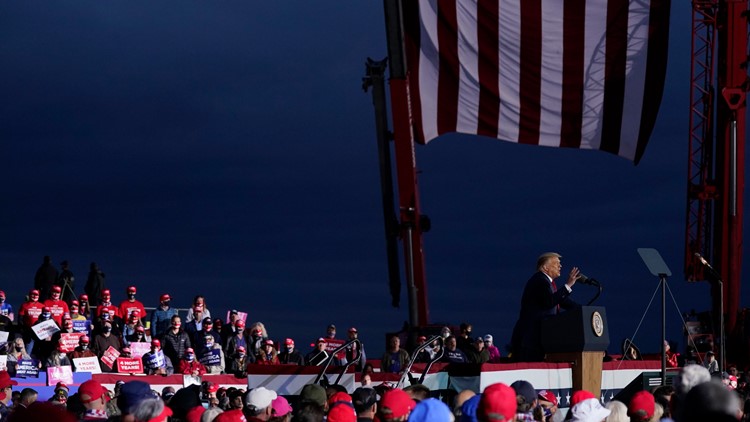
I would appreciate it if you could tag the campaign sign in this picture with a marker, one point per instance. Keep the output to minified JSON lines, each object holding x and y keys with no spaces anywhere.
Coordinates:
{"x":138,"y":349}
{"x":90,"y":364}
{"x":240,"y":315}
{"x":3,"y":362}
{"x":3,"y":338}
{"x":211,"y":358}
{"x":45,"y":329}
{"x":27,"y":368}
{"x":155,"y":360}
{"x":109,"y":356}
{"x":333,"y":344}
{"x":129,"y":366}
{"x":82,"y":326}
{"x":69,"y":341}
{"x":63,"y":374}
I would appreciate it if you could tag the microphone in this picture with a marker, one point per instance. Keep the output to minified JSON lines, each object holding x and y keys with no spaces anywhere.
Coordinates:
{"x":703,"y":260}
{"x":585,"y":280}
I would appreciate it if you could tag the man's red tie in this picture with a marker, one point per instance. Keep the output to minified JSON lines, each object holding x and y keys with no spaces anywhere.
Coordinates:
{"x":554,"y":289}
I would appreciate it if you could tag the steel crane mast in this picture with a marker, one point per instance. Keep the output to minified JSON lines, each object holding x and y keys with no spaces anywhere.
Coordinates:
{"x":718,"y":83}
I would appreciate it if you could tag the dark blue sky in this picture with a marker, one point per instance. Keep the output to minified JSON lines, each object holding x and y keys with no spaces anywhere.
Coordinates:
{"x":228,"y":149}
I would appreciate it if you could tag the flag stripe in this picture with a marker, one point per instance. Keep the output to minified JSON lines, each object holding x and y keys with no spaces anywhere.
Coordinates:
{"x":656,"y":69}
{"x":530,"y":81}
{"x":489,"y":93}
{"x":412,"y":31}
{"x":614,"y":74}
{"x":448,"y":76}
{"x":570,"y":73}
{"x":550,"y":85}
{"x":574,"y":12}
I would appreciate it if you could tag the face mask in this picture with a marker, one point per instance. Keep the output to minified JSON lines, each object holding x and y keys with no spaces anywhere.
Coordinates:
{"x":2,"y":299}
{"x":107,"y":328}
{"x":241,"y":355}
{"x":46,"y":315}
{"x":176,"y":324}
{"x":84,"y":346}
{"x":165,"y":303}
{"x":209,"y":344}
{"x":190,"y":358}
{"x":131,"y":295}
{"x":139,"y":335}
{"x":84,"y":303}
{"x":19,"y":348}
{"x":290,"y":349}
{"x":34,"y":298}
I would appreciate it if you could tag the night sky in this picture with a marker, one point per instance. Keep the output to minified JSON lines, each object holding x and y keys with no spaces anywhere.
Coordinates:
{"x":227,"y":149}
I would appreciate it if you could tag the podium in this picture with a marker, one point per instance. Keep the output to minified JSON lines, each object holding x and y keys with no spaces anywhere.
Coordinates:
{"x":580,"y":337}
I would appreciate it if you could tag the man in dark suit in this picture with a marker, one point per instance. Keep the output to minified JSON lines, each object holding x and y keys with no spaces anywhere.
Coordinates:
{"x":541,"y":299}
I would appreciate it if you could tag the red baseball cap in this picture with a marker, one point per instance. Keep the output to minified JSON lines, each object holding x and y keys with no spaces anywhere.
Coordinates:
{"x":92,"y":390}
{"x":106,"y":292}
{"x":641,"y":406}
{"x":81,"y":297}
{"x":56,"y":289}
{"x":164,"y":297}
{"x":580,"y":396}
{"x":2,"y":293}
{"x":268,"y":342}
{"x":131,"y":289}
{"x":156,"y":343}
{"x":5,"y":380}
{"x":212,"y":387}
{"x":46,"y":309}
{"x":140,"y":329}
{"x":548,"y":396}
{"x":397,"y":403}
{"x":239,"y":323}
{"x":289,"y":342}
{"x":34,"y":292}
{"x":84,"y":339}
{"x":498,"y":403}
{"x":241,"y":349}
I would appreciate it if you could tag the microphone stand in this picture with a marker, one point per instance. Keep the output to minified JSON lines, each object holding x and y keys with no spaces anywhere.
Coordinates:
{"x":717,"y":278}
{"x":598,"y":293}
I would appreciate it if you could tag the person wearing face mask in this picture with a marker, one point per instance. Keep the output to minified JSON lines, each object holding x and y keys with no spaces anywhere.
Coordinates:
{"x":161,"y":317}
{"x":6,"y":309}
{"x":138,"y":335}
{"x":29,"y":314}
{"x":107,"y":306}
{"x":207,"y":329}
{"x":56,"y":305}
{"x":189,"y":365}
{"x":200,"y":302}
{"x":103,"y":341}
{"x":61,"y":395}
{"x":16,"y":352}
{"x":237,"y":339}
{"x":238,"y":363}
{"x":57,"y":358}
{"x":75,"y":315}
{"x":131,"y":304}
{"x":209,"y":354}
{"x":175,"y":341}
{"x":267,"y":355}
{"x":42,"y":346}
{"x":131,"y":325}
{"x":258,"y":335}
{"x":289,"y":355}
{"x":83,"y":350}
{"x":155,"y":362}
{"x":84,"y":307}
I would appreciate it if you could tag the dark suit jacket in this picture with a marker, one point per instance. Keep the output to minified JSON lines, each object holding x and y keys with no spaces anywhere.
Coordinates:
{"x":537,"y":303}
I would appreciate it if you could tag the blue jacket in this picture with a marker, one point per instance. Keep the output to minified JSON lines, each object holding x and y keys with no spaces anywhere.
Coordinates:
{"x":161,"y":320}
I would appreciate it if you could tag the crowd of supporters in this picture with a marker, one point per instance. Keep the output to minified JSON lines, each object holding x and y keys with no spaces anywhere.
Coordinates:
{"x":693,"y":397}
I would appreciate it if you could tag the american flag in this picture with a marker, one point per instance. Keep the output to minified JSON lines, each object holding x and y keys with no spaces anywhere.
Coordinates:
{"x":563,"y":73}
